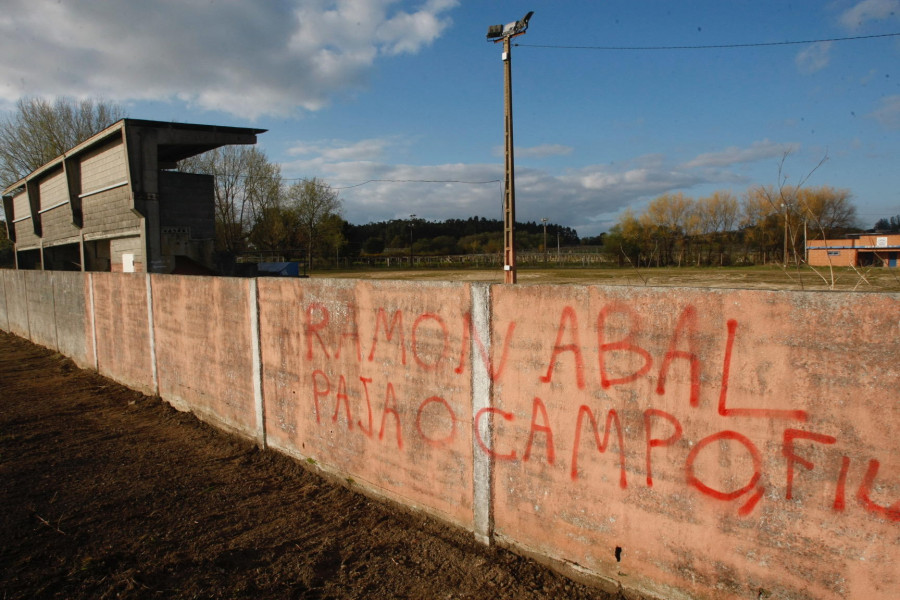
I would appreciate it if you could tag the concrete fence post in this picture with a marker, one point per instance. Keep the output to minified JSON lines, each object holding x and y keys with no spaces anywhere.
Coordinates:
{"x":53,"y":309}
{"x":92,"y":315}
{"x":152,"y":336}
{"x":27,"y":305}
{"x":257,"y":363}
{"x":5,"y":323}
{"x":482,"y":392}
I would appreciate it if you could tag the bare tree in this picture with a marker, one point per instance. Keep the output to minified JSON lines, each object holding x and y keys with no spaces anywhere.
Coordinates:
{"x":827,"y":209}
{"x":247,"y":187}
{"x":40,"y":130}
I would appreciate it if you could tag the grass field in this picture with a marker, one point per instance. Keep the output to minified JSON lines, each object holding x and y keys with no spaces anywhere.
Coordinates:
{"x":767,"y":277}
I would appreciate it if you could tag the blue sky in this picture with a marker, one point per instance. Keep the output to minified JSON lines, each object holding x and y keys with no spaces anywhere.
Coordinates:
{"x":407,"y":91}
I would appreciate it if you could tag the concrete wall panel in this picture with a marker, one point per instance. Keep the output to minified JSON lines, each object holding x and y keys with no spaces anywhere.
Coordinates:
{"x":122,"y":329}
{"x":56,"y":219}
{"x":4,"y":316}
{"x":25,"y":237}
{"x":109,"y":213}
{"x":701,"y":443}
{"x":17,"y":304}
{"x":41,"y":311}
{"x":363,"y":378}
{"x":71,"y":296}
{"x":104,"y":166}
{"x":203,"y":348}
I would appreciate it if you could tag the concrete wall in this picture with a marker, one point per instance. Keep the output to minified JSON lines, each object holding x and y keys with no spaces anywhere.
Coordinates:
{"x":16,"y":303}
{"x":4,"y":315}
{"x":204,"y":359}
{"x":24,"y":227}
{"x":118,"y":247}
{"x":74,"y":330}
{"x":188,"y":200}
{"x":683,"y":441}
{"x":362,"y":377}
{"x":41,"y":309}
{"x":122,"y":330}
{"x":680,"y":443}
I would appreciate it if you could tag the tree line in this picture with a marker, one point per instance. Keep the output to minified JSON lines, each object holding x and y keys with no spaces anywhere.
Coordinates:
{"x":767,"y":223}
{"x":475,"y":235}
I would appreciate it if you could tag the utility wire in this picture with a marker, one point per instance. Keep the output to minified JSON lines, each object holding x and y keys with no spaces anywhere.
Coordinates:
{"x":355,"y":185}
{"x":415,"y":181}
{"x":712,"y":46}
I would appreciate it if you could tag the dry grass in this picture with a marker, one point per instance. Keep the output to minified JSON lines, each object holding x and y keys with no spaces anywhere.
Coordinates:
{"x":769,"y":277}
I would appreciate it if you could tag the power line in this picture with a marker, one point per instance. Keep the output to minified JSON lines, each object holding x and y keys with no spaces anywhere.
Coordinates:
{"x":415,"y":181}
{"x":355,"y":185}
{"x":713,"y":46}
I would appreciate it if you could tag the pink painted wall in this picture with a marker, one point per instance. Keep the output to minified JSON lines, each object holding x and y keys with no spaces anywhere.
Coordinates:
{"x":121,"y":326}
{"x":362,"y":378}
{"x":751,"y":442}
{"x":203,"y":348}
{"x":682,"y":443}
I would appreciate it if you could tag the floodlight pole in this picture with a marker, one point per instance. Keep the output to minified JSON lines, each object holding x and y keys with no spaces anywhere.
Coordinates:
{"x":544,"y":221}
{"x":509,"y":199}
{"x":504,"y":33}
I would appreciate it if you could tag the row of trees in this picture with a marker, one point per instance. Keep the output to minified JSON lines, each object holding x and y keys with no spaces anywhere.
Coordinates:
{"x":766,"y":223}
{"x":888,"y":224}
{"x":475,"y":235}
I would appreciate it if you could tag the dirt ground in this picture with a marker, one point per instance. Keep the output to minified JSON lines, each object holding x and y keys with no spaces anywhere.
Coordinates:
{"x":106,"y":493}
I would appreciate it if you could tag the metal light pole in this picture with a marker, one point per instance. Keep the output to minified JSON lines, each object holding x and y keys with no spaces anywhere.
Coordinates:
{"x":412,"y":222}
{"x":544,"y":221}
{"x":504,"y":33}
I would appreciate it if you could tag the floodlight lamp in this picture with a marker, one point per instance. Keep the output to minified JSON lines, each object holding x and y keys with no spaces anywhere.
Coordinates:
{"x":495,"y":31}
{"x":510,"y":29}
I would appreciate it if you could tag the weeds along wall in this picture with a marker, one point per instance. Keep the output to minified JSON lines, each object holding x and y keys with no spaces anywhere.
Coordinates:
{"x":679,"y":443}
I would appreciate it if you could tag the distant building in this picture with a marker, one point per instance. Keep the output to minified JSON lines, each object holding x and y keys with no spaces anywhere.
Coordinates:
{"x":863,"y":250}
{"x":115,"y":202}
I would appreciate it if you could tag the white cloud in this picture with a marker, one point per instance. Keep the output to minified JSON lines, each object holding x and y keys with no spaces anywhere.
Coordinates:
{"x":869,"y":10}
{"x":244,"y":58}
{"x":339,"y":150}
{"x":542,"y":151}
{"x":888,"y":113}
{"x":588,"y":198}
{"x":814,"y":58}
{"x":734,"y":155}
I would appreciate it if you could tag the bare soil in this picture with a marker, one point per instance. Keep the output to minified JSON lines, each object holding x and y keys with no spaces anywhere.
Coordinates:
{"x":106,"y":493}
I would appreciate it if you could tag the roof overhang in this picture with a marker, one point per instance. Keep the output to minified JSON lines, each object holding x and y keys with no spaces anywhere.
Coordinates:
{"x":174,"y":142}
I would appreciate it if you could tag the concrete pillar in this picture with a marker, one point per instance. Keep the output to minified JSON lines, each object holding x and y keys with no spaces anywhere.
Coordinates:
{"x":482,"y":392}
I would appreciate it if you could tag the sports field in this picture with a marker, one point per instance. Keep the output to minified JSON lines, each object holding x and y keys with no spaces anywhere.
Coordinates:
{"x":768,"y":277}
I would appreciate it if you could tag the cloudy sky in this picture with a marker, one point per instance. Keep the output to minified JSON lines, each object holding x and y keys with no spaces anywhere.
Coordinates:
{"x":399,"y":104}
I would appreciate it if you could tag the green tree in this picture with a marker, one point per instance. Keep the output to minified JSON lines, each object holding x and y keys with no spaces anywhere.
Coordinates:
{"x":39,"y":130}
{"x":332,"y":238}
{"x":373,"y":245}
{"x":314,"y":202}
